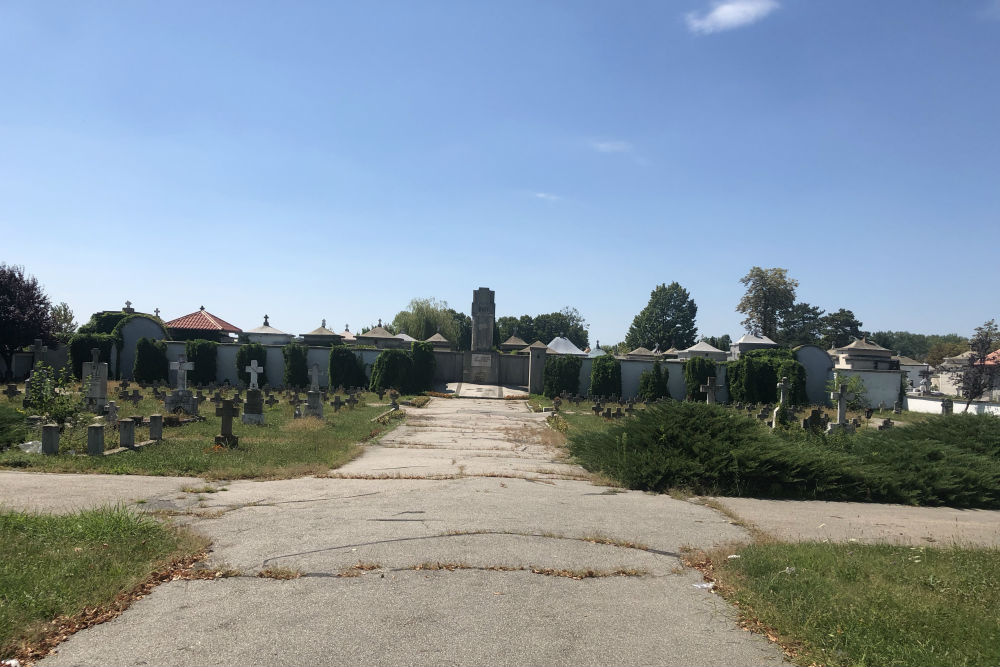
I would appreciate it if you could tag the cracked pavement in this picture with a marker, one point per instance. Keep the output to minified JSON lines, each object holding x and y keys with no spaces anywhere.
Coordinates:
{"x":474,"y":485}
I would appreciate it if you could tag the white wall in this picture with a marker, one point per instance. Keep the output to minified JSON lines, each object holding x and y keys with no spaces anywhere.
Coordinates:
{"x":882,"y":386}
{"x":932,"y":405}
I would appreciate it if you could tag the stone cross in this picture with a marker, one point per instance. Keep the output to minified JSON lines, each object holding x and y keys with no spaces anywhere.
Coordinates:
{"x":314,"y":378}
{"x":254,"y":370}
{"x":271,"y":400}
{"x":352,"y":400}
{"x":336,"y":403}
{"x":841,"y":396}
{"x":128,"y":304}
{"x":11,"y":391}
{"x":783,"y":388}
{"x":156,"y":311}
{"x":182,"y":366}
{"x":709,"y":388}
{"x":227,"y":411}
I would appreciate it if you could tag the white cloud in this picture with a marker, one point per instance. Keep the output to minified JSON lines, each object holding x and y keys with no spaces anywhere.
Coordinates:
{"x":612,"y":146}
{"x":546,"y":196}
{"x":730,"y":14}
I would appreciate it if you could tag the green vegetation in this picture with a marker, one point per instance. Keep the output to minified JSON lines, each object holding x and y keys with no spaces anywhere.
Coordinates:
{"x":346,"y":368}
{"x":697,"y":370}
{"x":296,"y":365}
{"x":562,"y":373}
{"x":854,"y":604}
{"x":150,"y":360}
{"x":666,"y":321}
{"x":53,"y":566}
{"x":949,"y":460}
{"x":424,"y":366}
{"x":283,"y":448}
{"x":13,"y":425}
{"x":653,"y":384}
{"x":606,"y":376}
{"x":393,"y":369}
{"x":81,"y":344}
{"x":567,"y":322}
{"x":204,"y":354}
{"x":754,"y":377}
{"x":244,"y":356}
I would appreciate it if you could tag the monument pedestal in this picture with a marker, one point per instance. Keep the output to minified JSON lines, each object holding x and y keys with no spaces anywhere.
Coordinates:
{"x":481,"y":367}
{"x":253,"y":409}
{"x":183,"y":400}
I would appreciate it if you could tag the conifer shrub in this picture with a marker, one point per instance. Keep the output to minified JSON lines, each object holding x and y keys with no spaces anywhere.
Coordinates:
{"x":150,"y":360}
{"x":562,"y":373}
{"x":204,"y":354}
{"x":244,"y":356}
{"x":606,"y":376}
{"x":697,"y":370}
{"x":296,"y":365}
{"x":346,"y":368}
{"x":81,"y":344}
{"x":754,"y":377}
{"x":13,"y":426}
{"x":392,"y":369}
{"x":424,"y":365}
{"x":653,"y":384}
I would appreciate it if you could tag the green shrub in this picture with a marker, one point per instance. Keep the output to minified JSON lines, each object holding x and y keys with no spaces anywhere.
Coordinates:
{"x":13,"y":426}
{"x":754,"y":377}
{"x":81,"y":344}
{"x":346,"y":368}
{"x":150,"y":361}
{"x":296,"y":365}
{"x":697,"y":370}
{"x":204,"y":354}
{"x":653,"y":384}
{"x":102,"y":323}
{"x":562,"y":373}
{"x":392,"y":369}
{"x":244,"y":356}
{"x":857,"y":392}
{"x":606,"y":376}
{"x":424,"y":365}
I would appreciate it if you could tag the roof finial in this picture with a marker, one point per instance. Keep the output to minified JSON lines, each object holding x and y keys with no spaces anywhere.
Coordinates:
{"x":265,"y":321}
{"x":380,"y":321}
{"x":323,"y":323}
{"x":347,"y":328}
{"x":201,"y":308}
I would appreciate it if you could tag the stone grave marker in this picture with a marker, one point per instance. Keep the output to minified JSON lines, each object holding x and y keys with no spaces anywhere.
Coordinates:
{"x":126,"y":433}
{"x":156,"y":427}
{"x":11,"y":391}
{"x":95,"y":440}
{"x":352,"y":400}
{"x":885,"y":425}
{"x":271,"y":401}
{"x":816,"y":421}
{"x":181,"y":400}
{"x":709,"y":389}
{"x":50,"y":439}
{"x":111,"y":413}
{"x":227,"y":411}
{"x":897,"y":408}
{"x":314,"y":404}
{"x":841,"y":396}
{"x":253,"y":410}
{"x":95,"y":374}
{"x":254,"y":369}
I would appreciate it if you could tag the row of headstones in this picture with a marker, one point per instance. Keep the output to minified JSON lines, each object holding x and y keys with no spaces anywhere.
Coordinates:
{"x":95,"y":435}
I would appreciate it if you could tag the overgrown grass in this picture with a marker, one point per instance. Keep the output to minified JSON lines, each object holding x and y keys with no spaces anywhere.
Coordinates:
{"x":284,"y":447}
{"x":944,"y":460}
{"x":53,"y":566}
{"x":852,"y":604}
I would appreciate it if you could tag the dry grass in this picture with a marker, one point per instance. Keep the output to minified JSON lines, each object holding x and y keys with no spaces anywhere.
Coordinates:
{"x":358,"y":569}
{"x":577,"y":574}
{"x":282,"y":573}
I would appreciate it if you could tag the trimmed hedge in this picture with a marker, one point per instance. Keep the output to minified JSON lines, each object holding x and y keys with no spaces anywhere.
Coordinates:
{"x":346,"y":368}
{"x":204,"y":354}
{"x":424,"y":365}
{"x":697,"y":370}
{"x":244,"y":355}
{"x":296,"y":365}
{"x":606,"y":376}
{"x":81,"y":344}
{"x":754,"y":377}
{"x":653,"y":384}
{"x":150,"y":361}
{"x":102,"y":323}
{"x":562,"y":373}
{"x":392,"y":369}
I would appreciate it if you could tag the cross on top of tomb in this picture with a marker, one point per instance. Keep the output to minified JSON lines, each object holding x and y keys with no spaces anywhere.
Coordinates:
{"x":156,"y":311}
{"x":254,"y":370}
{"x":128,"y":304}
{"x":182,"y":366}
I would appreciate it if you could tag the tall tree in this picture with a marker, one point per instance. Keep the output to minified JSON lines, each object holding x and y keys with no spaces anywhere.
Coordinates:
{"x":840,"y":328}
{"x":980,"y":375}
{"x":567,"y":322}
{"x":25,"y":312}
{"x":63,"y":324}
{"x":801,"y":324}
{"x":425,"y":317}
{"x":463,"y":327}
{"x":770,"y":293}
{"x":939,"y":351}
{"x":723,"y":342}
{"x":666,"y":321}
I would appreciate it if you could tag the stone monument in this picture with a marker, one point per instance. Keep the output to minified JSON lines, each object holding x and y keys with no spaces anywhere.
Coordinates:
{"x":314,"y":399}
{"x":95,"y":375}
{"x":182,"y":399}
{"x":841,"y":396}
{"x":481,"y":363}
{"x":253,"y":409}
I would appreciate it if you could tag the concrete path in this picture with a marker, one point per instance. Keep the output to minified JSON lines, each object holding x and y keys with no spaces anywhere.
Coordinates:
{"x":62,"y":493}
{"x":460,"y":539}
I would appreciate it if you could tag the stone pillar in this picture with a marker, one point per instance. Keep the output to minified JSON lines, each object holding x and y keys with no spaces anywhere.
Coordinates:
{"x":95,"y":440}
{"x":50,"y":439}
{"x":536,"y":369}
{"x":126,"y":433}
{"x":156,"y":427}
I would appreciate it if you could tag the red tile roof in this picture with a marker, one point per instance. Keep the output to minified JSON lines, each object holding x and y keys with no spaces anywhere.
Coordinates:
{"x":203,"y":321}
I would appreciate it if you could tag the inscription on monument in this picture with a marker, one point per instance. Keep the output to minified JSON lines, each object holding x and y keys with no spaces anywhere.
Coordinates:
{"x":482,"y":360}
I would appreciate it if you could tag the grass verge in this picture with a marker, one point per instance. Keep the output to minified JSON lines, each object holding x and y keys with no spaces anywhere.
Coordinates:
{"x":59,"y":573}
{"x":853,"y":604}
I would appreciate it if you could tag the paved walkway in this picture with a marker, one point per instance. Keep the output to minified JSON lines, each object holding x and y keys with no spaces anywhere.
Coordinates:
{"x":461,"y":523}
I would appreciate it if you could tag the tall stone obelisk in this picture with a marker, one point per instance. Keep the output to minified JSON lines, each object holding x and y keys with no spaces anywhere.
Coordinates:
{"x":481,"y":364}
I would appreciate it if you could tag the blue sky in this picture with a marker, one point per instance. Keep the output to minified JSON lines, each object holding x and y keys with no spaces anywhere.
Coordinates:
{"x":334,"y":160}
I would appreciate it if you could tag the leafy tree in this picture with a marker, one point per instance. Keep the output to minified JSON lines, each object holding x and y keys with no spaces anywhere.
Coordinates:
{"x":63,"y":324}
{"x":346,"y":368}
{"x":562,"y":373}
{"x":463,"y":327}
{"x":426,"y":317}
{"x":980,"y":375}
{"x":25,"y":312}
{"x":567,"y":322}
{"x":653,"y":384}
{"x":606,"y":376}
{"x":938,"y":351}
{"x":666,"y":321}
{"x":917,"y":346}
{"x":801,"y":324}
{"x":424,"y":365}
{"x":723,"y":342}
{"x":753,"y":378}
{"x":392,"y":369}
{"x":770,"y":293}
{"x":840,"y":328}
{"x":857,"y":392}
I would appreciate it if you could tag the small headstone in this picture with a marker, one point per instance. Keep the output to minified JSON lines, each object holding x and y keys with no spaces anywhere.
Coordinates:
{"x":885,"y":425}
{"x":897,"y":408}
{"x":126,"y":433}
{"x":227,"y":411}
{"x":95,"y":440}
{"x":352,"y":400}
{"x":11,"y":391}
{"x":156,"y":427}
{"x":271,"y":401}
{"x":253,"y":411}
{"x":597,"y":409}
{"x":816,"y":421}
{"x":336,"y":403}
{"x":607,"y":413}
{"x":111,"y":413}
{"x":947,"y":406}
{"x":50,"y":439}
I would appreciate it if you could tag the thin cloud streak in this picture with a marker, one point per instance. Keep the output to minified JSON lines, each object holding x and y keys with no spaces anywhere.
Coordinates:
{"x":546,"y":196}
{"x":612,"y":146}
{"x":729,"y":14}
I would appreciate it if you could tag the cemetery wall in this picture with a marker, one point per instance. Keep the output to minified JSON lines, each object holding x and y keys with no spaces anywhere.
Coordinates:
{"x":448,"y":366}
{"x":932,"y":405}
{"x":23,"y":362}
{"x":818,"y":365}
{"x":136,"y":328}
{"x":882,"y":386}
{"x":513,"y":369}
{"x":632,"y":369}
